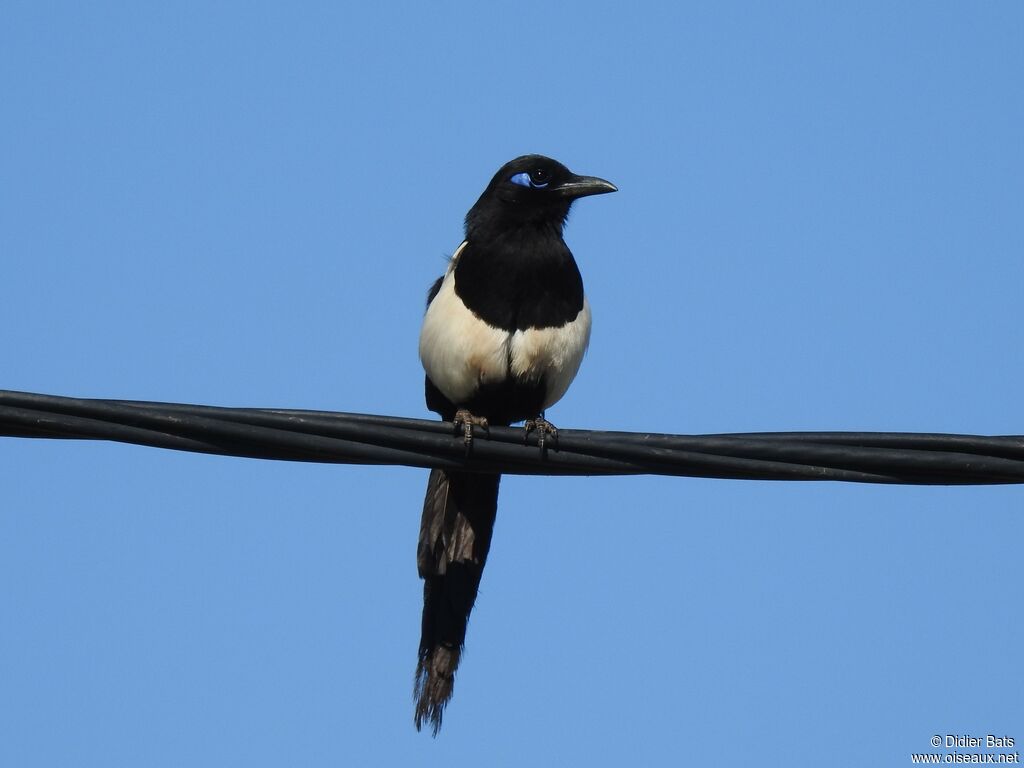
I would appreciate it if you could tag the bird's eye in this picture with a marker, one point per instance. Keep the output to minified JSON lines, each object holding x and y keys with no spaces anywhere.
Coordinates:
{"x":538,"y":178}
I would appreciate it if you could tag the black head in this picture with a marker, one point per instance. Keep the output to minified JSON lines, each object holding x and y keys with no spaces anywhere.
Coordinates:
{"x":531,"y":189}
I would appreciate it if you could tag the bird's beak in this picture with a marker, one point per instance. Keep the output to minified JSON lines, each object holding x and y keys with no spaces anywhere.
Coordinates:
{"x":581,"y":186}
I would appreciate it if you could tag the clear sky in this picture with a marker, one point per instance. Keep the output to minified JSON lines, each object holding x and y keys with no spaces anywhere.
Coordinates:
{"x":820,"y":226}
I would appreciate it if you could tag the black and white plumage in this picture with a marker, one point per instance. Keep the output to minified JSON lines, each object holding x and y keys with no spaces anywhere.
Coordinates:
{"x":505,"y":330}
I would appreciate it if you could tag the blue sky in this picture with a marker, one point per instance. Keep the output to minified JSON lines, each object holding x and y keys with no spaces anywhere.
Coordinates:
{"x":818,"y":228}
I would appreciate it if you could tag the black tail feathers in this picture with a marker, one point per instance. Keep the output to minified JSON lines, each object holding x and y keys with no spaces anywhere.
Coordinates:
{"x":455,"y":535}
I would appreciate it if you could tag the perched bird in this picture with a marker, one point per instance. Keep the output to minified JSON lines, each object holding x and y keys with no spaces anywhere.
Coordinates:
{"x":505,"y":331}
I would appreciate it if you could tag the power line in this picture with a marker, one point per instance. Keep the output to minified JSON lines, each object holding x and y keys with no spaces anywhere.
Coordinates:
{"x":350,"y":438}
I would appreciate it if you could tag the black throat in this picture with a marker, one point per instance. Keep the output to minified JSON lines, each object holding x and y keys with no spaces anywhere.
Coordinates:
{"x":519,"y":274}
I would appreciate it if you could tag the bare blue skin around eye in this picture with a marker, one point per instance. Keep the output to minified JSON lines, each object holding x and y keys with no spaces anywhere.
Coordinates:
{"x":523,"y":180}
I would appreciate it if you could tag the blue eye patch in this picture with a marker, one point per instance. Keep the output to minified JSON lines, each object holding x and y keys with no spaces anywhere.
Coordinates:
{"x":523,"y":180}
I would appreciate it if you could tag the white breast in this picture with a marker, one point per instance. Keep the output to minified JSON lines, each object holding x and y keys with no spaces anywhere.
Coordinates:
{"x":552,"y":353}
{"x":460,"y":352}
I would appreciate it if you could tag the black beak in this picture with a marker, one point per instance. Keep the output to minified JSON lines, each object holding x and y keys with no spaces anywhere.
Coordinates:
{"x":581,"y":186}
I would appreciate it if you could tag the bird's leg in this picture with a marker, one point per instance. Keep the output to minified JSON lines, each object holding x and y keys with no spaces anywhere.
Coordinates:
{"x":543,"y":427}
{"x":464,"y":421}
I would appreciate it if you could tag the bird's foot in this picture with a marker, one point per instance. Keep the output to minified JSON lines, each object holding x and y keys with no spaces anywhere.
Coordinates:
{"x":464,"y":422}
{"x":543,"y":428}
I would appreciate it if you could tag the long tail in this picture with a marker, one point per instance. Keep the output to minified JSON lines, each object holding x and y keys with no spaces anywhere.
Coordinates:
{"x":455,"y":534}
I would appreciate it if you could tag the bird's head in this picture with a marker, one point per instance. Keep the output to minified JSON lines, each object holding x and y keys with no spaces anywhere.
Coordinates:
{"x":531,"y":189}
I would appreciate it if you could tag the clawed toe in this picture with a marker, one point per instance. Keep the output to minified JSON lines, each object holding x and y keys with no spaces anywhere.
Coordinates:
{"x":464,"y":422}
{"x":543,"y":427}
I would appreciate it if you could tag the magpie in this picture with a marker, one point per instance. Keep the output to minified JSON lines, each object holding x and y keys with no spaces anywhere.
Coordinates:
{"x":503,"y":336}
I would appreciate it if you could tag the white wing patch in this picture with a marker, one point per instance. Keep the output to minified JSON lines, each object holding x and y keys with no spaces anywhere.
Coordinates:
{"x":460,"y":352}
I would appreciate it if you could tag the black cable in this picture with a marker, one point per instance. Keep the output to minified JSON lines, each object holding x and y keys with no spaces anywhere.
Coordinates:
{"x":348,"y":438}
